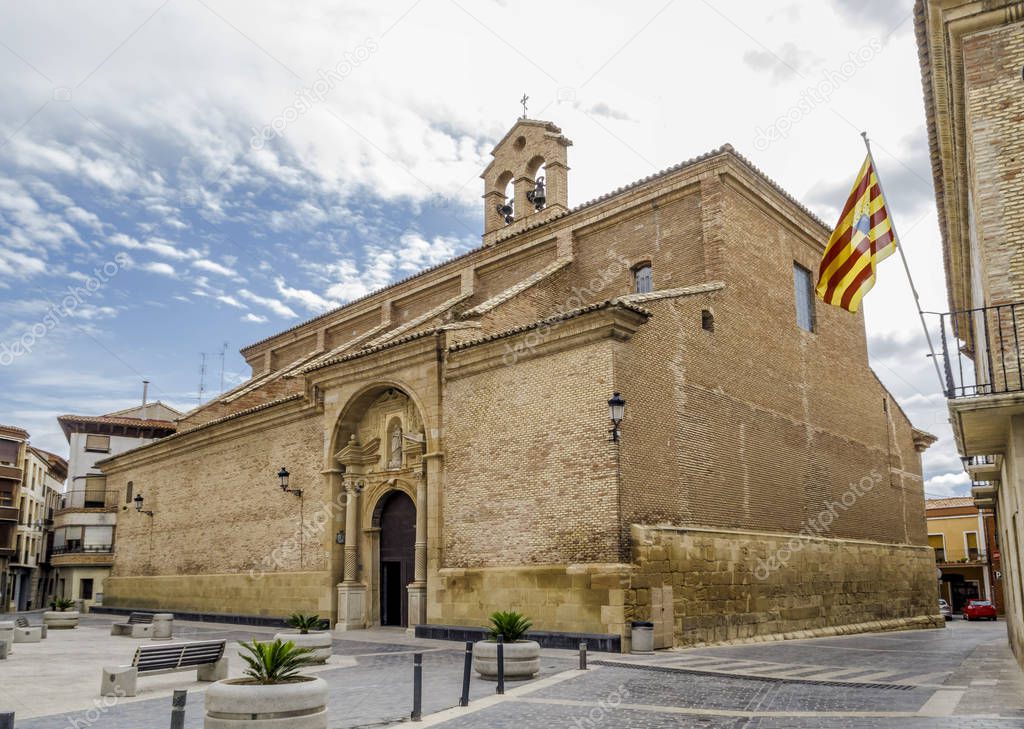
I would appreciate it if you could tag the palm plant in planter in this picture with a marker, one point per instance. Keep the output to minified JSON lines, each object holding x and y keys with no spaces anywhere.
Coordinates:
{"x":60,"y":616}
{"x":306,"y":632}
{"x":272,"y":688}
{"x":521,"y":656}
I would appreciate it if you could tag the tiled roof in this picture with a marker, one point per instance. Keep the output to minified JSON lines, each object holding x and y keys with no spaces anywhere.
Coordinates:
{"x":66,"y":421}
{"x":724,"y":149}
{"x":550,"y":320}
{"x":14,"y":430}
{"x":949,"y":502}
{"x":321,"y":363}
{"x":512,"y":291}
{"x":230,"y":416}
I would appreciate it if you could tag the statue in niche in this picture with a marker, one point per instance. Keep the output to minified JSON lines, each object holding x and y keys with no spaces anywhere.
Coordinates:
{"x":395,"y":450}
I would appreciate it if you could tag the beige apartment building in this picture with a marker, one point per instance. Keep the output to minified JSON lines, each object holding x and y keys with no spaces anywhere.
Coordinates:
{"x":966,"y":546}
{"x":971,"y":57}
{"x":85,"y":522}
{"x":13,"y":444}
{"x":41,"y":487}
{"x":442,"y":448}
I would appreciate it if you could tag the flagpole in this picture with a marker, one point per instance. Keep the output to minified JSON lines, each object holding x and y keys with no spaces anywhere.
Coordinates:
{"x":906,"y":267}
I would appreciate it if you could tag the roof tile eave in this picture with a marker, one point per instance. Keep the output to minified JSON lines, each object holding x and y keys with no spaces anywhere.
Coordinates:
{"x":572,"y":314}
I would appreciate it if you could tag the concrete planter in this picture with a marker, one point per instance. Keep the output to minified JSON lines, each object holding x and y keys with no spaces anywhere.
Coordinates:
{"x":234,"y":704}
{"x":320,"y":641}
{"x":57,"y":620}
{"x":522,"y":659}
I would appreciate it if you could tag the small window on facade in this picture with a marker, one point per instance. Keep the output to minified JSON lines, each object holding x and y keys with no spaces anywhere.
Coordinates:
{"x":803,"y":285}
{"x":707,"y":320}
{"x":97,"y":443}
{"x":643,"y":279}
{"x":128,"y":492}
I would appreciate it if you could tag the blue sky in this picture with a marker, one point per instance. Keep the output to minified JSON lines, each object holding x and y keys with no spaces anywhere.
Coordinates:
{"x":241,"y":167}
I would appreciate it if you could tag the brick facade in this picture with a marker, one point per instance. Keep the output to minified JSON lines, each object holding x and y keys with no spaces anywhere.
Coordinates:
{"x":497,"y":366}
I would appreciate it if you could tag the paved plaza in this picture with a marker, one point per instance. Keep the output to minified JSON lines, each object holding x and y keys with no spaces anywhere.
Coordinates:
{"x":962,"y":676}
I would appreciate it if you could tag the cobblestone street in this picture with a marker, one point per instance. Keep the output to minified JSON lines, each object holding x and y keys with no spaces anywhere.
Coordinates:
{"x":962,"y":676}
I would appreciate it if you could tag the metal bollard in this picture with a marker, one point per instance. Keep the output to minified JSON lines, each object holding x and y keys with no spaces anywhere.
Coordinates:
{"x":6,"y":720}
{"x":417,"y":687}
{"x":583,"y":656}
{"x":501,"y":665}
{"x":178,"y":708}
{"x":466,"y":668}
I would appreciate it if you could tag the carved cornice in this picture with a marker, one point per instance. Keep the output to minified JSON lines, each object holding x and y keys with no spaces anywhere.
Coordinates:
{"x":358,"y":454}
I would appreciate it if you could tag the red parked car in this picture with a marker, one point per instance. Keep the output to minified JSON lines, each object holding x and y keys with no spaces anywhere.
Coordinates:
{"x":979,"y":610}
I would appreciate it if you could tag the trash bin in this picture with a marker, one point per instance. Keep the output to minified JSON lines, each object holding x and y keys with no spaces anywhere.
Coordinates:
{"x":642,"y":636}
{"x":163,"y":626}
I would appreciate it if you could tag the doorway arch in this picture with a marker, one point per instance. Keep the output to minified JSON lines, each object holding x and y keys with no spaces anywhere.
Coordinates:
{"x":395,"y":516}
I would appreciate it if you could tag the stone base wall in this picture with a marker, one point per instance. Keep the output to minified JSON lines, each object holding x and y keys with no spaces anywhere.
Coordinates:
{"x":558,"y":598}
{"x":274,"y":594}
{"x":715,"y":586}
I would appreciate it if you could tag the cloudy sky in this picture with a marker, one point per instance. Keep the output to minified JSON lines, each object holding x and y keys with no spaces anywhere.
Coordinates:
{"x":198,"y":174}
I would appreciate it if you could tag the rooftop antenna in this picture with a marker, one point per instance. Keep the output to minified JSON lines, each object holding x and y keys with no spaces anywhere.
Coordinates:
{"x":223,"y":351}
{"x":202,"y":377}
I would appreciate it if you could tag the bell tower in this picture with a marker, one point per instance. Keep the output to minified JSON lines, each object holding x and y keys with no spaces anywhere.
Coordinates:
{"x":531,"y":156}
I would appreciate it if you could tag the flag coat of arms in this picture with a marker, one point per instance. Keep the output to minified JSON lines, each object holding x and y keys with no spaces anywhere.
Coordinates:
{"x":863,"y":237}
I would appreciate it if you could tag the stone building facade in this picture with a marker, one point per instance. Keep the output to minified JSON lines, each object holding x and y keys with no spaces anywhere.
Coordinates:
{"x":971,"y":55}
{"x":450,"y":438}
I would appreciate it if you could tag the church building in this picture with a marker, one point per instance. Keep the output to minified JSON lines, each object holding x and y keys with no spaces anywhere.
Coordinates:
{"x":443,"y":447}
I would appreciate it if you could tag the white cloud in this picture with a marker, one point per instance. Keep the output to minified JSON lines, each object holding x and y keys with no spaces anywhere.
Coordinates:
{"x":309,"y":299}
{"x":231,"y":301}
{"x":164,"y":269}
{"x":276,"y":306}
{"x":213,"y":267}
{"x":254,"y":318}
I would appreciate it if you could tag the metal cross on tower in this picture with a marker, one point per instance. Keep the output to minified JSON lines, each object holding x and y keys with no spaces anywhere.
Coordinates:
{"x":523,"y":102}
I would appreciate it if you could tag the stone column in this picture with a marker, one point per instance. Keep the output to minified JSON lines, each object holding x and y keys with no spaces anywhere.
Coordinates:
{"x":351,"y":592}
{"x":418,"y":587}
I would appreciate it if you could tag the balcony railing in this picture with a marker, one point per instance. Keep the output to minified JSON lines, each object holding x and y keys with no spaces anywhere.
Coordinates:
{"x":83,"y":549}
{"x":989,"y":362}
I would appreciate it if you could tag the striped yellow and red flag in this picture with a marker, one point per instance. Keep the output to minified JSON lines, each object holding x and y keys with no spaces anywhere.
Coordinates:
{"x":863,"y":237}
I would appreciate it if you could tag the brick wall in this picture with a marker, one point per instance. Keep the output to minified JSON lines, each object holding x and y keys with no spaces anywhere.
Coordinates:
{"x":994,"y":107}
{"x":224,"y":476}
{"x":529,"y":475}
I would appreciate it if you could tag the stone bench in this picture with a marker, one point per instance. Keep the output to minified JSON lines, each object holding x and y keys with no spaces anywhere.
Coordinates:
{"x":139,"y":625}
{"x":25,"y":633}
{"x":206,"y":656}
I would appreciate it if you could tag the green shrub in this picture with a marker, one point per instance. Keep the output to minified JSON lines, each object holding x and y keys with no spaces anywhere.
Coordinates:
{"x":61,"y":604}
{"x":277,"y":662}
{"x":304,"y":623}
{"x":510,"y":625}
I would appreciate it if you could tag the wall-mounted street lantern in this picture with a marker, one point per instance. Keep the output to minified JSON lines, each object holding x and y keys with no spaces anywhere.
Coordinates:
{"x":138,"y":506}
{"x":282,"y":477}
{"x":616,"y":409}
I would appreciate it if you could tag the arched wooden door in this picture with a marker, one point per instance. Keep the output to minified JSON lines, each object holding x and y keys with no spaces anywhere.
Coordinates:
{"x":397,"y":557}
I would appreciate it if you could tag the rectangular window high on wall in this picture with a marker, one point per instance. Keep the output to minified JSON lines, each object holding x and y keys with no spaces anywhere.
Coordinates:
{"x":803,"y":286}
{"x":97,"y":443}
{"x":643,"y":279}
